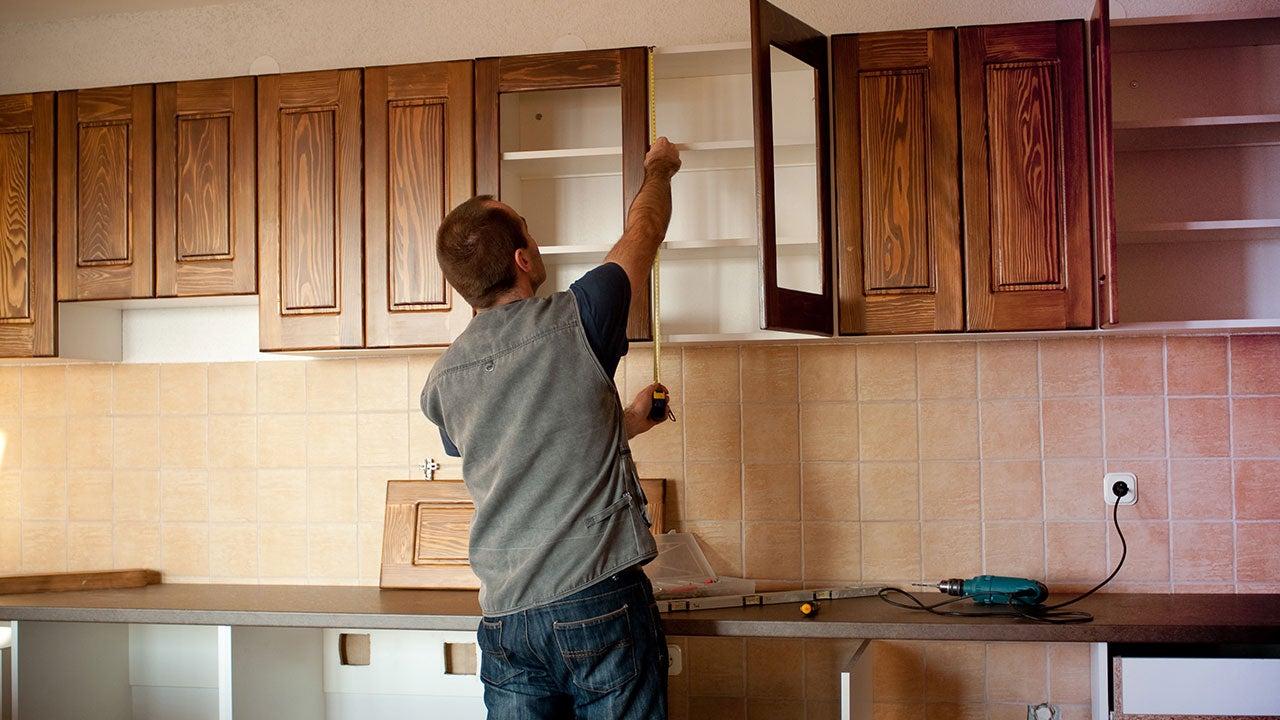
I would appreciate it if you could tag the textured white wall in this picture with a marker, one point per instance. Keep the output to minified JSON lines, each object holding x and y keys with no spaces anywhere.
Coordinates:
{"x":224,"y":40}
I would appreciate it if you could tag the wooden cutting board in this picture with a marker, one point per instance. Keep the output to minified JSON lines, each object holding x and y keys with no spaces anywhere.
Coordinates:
{"x":428,"y":523}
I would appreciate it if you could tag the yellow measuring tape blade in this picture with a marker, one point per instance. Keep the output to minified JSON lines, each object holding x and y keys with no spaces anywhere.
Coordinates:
{"x":655,"y":305}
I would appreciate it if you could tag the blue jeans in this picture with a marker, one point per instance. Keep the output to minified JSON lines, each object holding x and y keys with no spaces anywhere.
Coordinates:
{"x":598,"y":654}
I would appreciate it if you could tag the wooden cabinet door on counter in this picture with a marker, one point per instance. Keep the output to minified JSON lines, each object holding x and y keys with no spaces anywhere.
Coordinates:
{"x":897,"y":166}
{"x":205,"y":199}
{"x":27,"y":312}
{"x":1025,"y":176}
{"x":418,"y":166}
{"x":104,"y":193}
{"x":309,"y":227}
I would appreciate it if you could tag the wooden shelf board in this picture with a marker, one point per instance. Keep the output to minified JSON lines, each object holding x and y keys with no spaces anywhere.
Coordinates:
{"x":519,"y":155}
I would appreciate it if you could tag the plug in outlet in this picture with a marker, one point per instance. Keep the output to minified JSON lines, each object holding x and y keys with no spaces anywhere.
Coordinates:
{"x":1110,"y":479}
{"x":675,"y":660}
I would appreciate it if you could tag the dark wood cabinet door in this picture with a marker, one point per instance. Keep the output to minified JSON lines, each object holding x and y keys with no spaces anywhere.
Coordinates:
{"x":626,"y":69}
{"x":309,"y":209}
{"x":418,"y":166}
{"x":1104,"y":157}
{"x":28,"y":318}
{"x":808,"y":310}
{"x":1025,"y":176}
{"x":898,"y":182}
{"x":206,"y":234}
{"x":105,"y":249}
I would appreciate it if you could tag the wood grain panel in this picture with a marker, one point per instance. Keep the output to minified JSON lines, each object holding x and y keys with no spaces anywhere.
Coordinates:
{"x":418,"y":165}
{"x":309,"y":212}
{"x":427,"y":530}
{"x":1024,"y":167}
{"x":206,"y":201}
{"x":15,"y":226}
{"x":104,"y":195}
{"x":898,"y":199}
{"x":1025,"y":170}
{"x":559,"y":71}
{"x":416,"y":204}
{"x":308,"y":233}
{"x":1104,"y":193}
{"x":784,"y":308}
{"x":625,"y":68}
{"x":894,"y":128}
{"x":204,"y":188}
{"x":442,"y":532}
{"x":28,"y":317}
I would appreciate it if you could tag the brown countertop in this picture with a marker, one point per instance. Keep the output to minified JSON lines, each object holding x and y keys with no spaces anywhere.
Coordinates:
{"x":1118,"y":617}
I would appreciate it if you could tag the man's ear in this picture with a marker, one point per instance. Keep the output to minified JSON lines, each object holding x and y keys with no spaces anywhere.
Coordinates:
{"x":523,"y":261}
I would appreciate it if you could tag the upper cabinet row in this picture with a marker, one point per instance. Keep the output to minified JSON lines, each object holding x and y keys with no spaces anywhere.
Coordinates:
{"x":941,"y":180}
{"x":321,"y":192}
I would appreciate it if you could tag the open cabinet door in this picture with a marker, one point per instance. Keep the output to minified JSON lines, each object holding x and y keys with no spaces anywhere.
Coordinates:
{"x":789,"y":66}
{"x":1104,"y":155}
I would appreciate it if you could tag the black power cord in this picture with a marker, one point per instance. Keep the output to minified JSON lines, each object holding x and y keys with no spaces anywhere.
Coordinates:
{"x":1050,"y":614}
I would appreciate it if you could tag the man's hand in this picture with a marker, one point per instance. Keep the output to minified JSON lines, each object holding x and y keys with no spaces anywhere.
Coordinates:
{"x":635,"y":419}
{"x":663,"y":157}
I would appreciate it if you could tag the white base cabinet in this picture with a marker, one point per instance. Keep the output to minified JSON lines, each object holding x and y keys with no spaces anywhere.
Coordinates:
{"x":70,"y":671}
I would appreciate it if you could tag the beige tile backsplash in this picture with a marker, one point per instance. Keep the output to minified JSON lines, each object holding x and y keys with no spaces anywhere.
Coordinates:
{"x":797,"y":465}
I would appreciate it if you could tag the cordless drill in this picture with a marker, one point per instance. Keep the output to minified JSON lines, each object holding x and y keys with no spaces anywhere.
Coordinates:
{"x":994,"y":590}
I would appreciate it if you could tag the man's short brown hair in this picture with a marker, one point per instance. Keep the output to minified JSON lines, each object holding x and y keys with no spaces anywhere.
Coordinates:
{"x":476,"y":246}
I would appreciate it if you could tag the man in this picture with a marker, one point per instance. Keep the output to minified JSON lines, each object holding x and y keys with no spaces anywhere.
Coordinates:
{"x":526,"y":396}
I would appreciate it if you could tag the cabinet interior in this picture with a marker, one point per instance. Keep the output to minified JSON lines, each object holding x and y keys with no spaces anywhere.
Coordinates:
{"x":562,"y":169}
{"x":1197,"y":139}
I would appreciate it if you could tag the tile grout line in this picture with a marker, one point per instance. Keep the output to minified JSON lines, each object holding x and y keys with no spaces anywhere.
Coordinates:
{"x":1044,"y":480}
{"x":1231,"y":465}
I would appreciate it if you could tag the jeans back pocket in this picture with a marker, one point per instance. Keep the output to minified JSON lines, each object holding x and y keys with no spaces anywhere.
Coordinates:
{"x":599,"y":651}
{"x":495,"y":662}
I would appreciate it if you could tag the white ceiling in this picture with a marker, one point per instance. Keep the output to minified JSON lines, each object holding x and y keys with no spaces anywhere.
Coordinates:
{"x":41,"y":10}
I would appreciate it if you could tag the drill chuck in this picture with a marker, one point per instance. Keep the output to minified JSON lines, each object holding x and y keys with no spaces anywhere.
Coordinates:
{"x":996,"y":590}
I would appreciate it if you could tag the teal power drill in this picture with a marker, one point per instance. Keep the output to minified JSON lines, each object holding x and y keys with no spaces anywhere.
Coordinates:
{"x":994,"y":590}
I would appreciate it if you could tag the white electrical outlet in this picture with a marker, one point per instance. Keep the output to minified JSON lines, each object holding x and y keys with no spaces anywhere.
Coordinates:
{"x":675,"y":661}
{"x":1110,"y":479}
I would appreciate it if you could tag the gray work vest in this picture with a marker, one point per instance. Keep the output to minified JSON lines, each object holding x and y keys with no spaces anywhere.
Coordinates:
{"x":544,"y":454}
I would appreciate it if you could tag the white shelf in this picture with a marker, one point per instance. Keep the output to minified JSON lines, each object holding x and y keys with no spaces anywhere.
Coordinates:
{"x":701,"y":60}
{"x":605,"y":161}
{"x":723,"y":247}
{"x":1199,"y":231}
{"x":1172,"y":122}
{"x":1204,"y":225}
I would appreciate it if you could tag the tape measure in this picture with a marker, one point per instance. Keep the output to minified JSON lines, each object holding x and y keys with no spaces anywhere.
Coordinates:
{"x":659,"y":407}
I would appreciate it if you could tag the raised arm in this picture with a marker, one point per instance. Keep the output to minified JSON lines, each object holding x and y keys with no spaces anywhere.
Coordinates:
{"x":648,"y":215}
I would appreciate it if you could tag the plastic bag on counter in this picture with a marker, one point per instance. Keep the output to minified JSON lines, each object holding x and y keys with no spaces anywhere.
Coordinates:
{"x":681,"y":571}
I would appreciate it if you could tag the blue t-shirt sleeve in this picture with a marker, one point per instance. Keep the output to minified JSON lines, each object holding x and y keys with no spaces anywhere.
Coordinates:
{"x":449,"y":448}
{"x":604,"y":302}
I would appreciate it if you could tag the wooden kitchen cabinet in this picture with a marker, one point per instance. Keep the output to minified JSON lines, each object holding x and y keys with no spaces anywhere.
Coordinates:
{"x":418,"y":166}
{"x":1025,"y":174}
{"x":28,"y":318}
{"x":205,"y":205}
{"x":562,"y":138}
{"x":897,"y":161}
{"x":309,"y":211}
{"x":104,"y":193}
